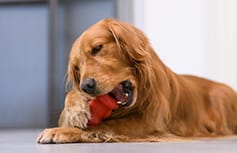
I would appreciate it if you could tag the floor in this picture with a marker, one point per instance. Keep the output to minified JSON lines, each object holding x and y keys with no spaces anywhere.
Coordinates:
{"x":12,"y":141}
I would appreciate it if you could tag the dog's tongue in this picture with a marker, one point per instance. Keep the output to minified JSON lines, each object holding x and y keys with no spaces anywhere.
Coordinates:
{"x":101,"y":108}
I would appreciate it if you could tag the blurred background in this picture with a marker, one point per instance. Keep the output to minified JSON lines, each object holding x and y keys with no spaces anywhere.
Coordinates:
{"x":192,"y":37}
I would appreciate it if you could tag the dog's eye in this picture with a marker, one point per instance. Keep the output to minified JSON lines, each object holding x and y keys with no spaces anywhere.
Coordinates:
{"x":96,"y":49}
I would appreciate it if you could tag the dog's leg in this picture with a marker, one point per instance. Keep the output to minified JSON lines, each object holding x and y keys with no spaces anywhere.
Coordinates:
{"x":118,"y":130}
{"x":73,"y":119}
{"x":76,"y":112}
{"x":73,"y":135}
{"x":73,"y":126}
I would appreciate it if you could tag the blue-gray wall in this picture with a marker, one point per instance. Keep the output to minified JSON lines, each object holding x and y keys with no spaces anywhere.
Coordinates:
{"x":23,"y":66}
{"x":24,"y":53}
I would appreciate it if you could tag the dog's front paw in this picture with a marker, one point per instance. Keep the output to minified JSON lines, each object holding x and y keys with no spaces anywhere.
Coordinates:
{"x":49,"y":136}
{"x":79,"y":118}
{"x":75,"y":116}
{"x":59,"y":135}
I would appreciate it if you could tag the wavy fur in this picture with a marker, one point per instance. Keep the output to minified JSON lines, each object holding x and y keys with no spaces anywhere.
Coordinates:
{"x":166,"y":105}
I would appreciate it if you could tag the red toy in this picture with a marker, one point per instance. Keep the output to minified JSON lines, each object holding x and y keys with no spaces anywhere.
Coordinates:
{"x":101,"y":108}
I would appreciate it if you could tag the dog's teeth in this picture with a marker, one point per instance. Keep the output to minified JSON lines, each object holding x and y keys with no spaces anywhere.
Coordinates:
{"x":126,"y":94}
{"x":124,"y":103}
{"x":119,"y":102}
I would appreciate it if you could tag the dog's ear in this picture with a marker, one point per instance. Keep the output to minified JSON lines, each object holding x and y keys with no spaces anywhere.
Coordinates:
{"x":129,"y":39}
{"x":137,"y":47}
{"x":73,"y":75}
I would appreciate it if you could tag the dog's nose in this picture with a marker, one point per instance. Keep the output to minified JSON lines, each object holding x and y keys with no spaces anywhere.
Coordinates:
{"x":89,"y":86}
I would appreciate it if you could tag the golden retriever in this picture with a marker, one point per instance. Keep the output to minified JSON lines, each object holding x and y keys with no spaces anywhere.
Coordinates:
{"x":157,"y":104}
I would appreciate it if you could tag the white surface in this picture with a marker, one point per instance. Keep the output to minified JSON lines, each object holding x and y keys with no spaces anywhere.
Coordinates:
{"x":23,"y":141}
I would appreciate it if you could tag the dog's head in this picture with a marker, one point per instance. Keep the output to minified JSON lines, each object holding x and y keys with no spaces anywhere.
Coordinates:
{"x":110,"y":58}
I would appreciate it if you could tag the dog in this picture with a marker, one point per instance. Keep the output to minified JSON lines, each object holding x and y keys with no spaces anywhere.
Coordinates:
{"x":154,"y":102}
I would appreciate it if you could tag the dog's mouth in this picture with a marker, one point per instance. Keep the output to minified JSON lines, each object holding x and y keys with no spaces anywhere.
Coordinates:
{"x":123,"y":93}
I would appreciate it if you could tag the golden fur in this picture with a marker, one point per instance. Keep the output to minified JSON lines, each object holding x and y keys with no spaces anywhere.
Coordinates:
{"x":165,"y":104}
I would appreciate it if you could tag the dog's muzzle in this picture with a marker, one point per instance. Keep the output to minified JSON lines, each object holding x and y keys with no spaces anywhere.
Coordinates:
{"x":122,"y":93}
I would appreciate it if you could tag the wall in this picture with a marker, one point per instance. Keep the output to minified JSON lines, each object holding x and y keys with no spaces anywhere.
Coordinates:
{"x":192,"y":37}
{"x":25,"y":95}
{"x":23,"y":66}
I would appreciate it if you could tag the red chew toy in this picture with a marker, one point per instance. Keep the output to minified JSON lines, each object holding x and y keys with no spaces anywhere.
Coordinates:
{"x":101,"y":108}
